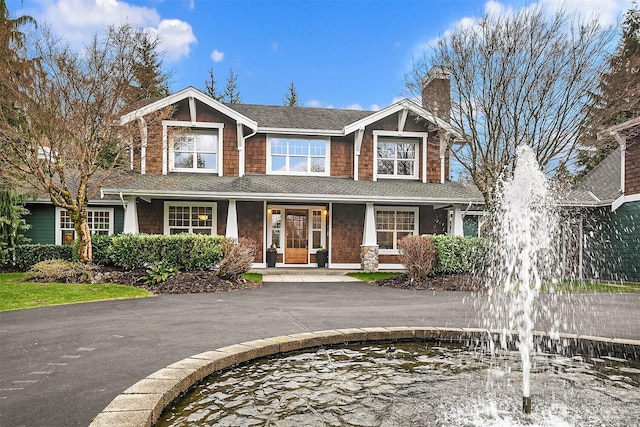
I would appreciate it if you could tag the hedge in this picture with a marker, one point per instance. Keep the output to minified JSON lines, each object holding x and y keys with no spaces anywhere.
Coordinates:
{"x":185,"y":251}
{"x":457,"y":254}
{"x":29,"y":255}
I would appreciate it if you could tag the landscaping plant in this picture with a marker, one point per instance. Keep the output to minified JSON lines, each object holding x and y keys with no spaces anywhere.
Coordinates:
{"x":160,"y":272}
{"x":237,"y":259}
{"x":418,"y":255}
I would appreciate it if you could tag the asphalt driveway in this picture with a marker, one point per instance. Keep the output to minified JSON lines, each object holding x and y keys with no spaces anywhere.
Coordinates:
{"x":60,"y":366}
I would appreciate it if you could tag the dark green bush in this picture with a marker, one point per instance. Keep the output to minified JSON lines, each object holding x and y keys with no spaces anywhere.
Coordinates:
{"x":101,"y":247}
{"x":28,"y":255}
{"x":458,"y":254}
{"x":184,"y":251}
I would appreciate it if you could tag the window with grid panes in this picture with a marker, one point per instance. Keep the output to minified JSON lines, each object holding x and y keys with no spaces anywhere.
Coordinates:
{"x":196,"y":219}
{"x":289,"y":155}
{"x":316,"y":229}
{"x":196,"y":150}
{"x":393,"y":225}
{"x":276,"y":227}
{"x":397,"y":157}
{"x":99,"y":222}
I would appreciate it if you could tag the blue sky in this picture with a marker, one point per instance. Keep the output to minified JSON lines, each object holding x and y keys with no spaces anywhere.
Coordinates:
{"x":339,"y":54}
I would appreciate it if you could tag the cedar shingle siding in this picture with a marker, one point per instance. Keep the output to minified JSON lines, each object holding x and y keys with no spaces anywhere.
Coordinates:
{"x":632,"y":167}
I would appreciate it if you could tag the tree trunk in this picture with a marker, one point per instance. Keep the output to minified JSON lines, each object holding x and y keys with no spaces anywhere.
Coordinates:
{"x":84,"y":240}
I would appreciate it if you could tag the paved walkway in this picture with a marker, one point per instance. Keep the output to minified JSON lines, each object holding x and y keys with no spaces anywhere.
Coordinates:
{"x":60,"y":366}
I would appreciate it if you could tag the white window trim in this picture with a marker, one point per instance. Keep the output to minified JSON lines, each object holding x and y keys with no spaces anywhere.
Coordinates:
{"x":212,"y":205}
{"x":416,"y":224}
{"x":58,"y":229}
{"x":167,"y":146}
{"x":310,"y":209}
{"x":420,"y":151}
{"x":327,"y":161}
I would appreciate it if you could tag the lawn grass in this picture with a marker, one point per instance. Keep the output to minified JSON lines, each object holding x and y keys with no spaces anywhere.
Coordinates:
{"x":252,"y":277}
{"x":370,"y":277}
{"x":575,"y":287}
{"x":15,"y":294}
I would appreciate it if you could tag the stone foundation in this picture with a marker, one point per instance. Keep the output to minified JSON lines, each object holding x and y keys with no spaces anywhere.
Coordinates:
{"x":369,"y":258}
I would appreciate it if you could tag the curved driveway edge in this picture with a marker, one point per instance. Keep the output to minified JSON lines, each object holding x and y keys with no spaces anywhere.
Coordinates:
{"x":142,"y":404}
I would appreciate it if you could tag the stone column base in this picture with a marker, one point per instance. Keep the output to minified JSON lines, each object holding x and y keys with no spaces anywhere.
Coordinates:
{"x":369,"y":258}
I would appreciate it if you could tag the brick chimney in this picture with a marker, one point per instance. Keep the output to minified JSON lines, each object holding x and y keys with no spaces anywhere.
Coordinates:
{"x":436,"y":92}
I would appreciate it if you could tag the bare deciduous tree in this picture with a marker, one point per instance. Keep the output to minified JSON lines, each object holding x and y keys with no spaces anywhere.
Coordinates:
{"x":63,"y":115}
{"x":517,"y":78}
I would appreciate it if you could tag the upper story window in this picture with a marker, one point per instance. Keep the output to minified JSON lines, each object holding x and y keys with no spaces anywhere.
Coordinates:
{"x":298,"y":155}
{"x":397,"y":157}
{"x":196,"y":150}
{"x":99,"y":220}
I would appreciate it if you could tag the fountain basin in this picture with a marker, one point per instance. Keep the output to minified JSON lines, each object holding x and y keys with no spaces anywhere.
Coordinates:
{"x":142,"y":403}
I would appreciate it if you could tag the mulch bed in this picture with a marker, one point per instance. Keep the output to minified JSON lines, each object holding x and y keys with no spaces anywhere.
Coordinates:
{"x":187,"y":282}
{"x":444,"y":282}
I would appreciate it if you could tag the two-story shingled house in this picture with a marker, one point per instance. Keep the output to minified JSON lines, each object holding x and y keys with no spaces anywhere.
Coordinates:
{"x":297,"y":179}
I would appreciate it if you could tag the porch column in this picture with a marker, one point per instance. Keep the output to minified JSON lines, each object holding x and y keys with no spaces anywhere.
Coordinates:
{"x":456,"y":226}
{"x":131,"y":216}
{"x":369,"y":247}
{"x":232,"y":220}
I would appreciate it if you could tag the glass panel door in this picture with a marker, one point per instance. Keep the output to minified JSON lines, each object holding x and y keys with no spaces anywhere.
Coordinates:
{"x":297,"y":236}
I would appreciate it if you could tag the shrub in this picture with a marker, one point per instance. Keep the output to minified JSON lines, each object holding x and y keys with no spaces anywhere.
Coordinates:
{"x":27,"y":256}
{"x":101,"y":249}
{"x":184,"y":251}
{"x":237,"y":259}
{"x":63,"y":271}
{"x":457,"y":254}
{"x":418,"y":255}
{"x":160,"y":272}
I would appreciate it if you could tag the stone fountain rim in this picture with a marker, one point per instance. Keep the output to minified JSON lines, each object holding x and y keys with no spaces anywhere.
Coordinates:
{"x":142,"y":404}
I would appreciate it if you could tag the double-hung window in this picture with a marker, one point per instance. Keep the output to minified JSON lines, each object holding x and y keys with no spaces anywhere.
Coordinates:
{"x":190,"y":217}
{"x":298,"y":155}
{"x":397,"y":157}
{"x":196,"y":150}
{"x":99,"y":220}
{"x":392,"y":224}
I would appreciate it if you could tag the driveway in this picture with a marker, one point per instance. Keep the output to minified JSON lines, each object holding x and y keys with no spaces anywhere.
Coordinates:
{"x":60,"y":366}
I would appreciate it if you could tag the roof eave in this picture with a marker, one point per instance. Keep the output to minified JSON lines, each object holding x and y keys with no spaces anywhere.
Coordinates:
{"x":289,"y":196}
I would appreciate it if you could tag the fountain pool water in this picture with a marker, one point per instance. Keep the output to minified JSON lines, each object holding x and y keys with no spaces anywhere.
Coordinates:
{"x":413,"y":384}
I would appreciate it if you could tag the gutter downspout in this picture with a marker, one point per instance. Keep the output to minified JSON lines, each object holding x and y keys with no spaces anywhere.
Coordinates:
{"x":623,"y":148}
{"x":242,"y":166}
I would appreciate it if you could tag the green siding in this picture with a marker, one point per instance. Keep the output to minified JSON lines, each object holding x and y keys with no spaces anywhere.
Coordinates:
{"x":42,"y":221}
{"x":43,"y":227}
{"x":612,"y":243}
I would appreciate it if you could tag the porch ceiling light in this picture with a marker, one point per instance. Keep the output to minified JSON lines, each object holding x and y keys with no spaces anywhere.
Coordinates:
{"x":203,"y":217}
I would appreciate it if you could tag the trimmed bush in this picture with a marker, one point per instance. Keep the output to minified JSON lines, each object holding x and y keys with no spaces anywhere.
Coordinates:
{"x":101,"y":249}
{"x":238,"y":257}
{"x":184,"y":251}
{"x":458,"y":254}
{"x":28,"y":255}
{"x":62,"y":271}
{"x":418,"y":255}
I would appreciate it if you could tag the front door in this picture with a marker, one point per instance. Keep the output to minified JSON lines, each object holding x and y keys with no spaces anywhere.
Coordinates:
{"x":296,"y":249}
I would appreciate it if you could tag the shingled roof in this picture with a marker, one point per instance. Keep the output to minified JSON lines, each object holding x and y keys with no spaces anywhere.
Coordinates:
{"x":273,"y":116}
{"x":293,"y":188}
{"x":599,"y":187}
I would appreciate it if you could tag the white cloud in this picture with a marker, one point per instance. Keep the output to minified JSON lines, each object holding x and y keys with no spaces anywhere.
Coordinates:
{"x":374,"y":107}
{"x":176,"y":37}
{"x":317,"y":104}
{"x":77,"y":21}
{"x":355,"y":106}
{"x":217,"y":56}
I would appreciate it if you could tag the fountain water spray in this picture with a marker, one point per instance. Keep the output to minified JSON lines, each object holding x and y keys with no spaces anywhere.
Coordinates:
{"x":524,"y":226}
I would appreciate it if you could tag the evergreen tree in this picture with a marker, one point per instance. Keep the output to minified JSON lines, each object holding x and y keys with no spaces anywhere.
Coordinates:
{"x":210,"y":87}
{"x":291,"y":97}
{"x":12,"y":225}
{"x":231,"y":92}
{"x":150,"y":82}
{"x":618,"y":95}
